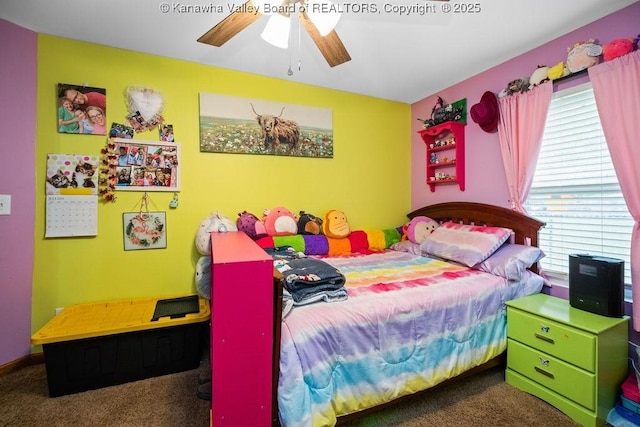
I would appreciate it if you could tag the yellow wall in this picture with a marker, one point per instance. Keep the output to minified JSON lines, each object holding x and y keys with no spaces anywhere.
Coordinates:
{"x":368,"y":178}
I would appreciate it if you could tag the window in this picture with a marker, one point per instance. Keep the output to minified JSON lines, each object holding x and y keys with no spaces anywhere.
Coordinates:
{"x":575,"y":189}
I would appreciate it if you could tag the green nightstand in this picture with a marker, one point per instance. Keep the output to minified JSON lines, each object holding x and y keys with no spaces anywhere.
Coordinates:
{"x":570,"y":358}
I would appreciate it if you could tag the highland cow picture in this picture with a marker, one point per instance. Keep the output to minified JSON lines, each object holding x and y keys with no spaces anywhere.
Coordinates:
{"x":237,"y":125}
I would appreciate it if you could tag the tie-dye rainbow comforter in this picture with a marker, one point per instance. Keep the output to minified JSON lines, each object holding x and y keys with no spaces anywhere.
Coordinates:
{"x":410,"y":322}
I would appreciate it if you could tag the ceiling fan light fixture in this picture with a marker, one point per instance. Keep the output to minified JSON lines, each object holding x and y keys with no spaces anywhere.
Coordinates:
{"x":324,"y":15}
{"x":276,"y":32}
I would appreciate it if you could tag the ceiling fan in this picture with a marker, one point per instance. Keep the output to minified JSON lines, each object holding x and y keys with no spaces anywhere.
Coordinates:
{"x":329,"y":44}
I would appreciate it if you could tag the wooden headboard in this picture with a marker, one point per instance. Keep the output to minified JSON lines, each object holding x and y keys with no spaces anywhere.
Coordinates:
{"x":524,"y":227}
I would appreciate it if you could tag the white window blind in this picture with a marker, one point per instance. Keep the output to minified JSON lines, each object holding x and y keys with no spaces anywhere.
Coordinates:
{"x":575,"y":189}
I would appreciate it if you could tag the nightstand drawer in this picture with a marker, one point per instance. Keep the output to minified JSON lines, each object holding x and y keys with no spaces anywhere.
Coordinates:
{"x":556,"y":375}
{"x":555,"y":339}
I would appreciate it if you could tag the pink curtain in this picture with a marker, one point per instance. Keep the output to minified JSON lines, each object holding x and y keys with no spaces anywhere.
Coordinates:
{"x":616,"y":87}
{"x":520,"y":129}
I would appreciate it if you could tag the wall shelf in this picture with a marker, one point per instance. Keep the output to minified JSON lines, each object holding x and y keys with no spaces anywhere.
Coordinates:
{"x":445,"y":154}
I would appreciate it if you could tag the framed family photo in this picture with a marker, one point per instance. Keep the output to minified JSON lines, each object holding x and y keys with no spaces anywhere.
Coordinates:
{"x":147,"y":165}
{"x":81,"y":109}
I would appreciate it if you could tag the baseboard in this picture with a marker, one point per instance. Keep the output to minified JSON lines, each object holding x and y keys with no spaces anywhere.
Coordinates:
{"x":23,"y":362}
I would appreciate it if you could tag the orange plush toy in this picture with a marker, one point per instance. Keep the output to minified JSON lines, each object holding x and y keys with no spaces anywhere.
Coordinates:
{"x":335,"y":224}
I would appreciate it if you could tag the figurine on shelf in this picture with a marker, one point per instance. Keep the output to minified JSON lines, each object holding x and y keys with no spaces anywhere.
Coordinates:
{"x":433,"y":159}
{"x":445,"y":159}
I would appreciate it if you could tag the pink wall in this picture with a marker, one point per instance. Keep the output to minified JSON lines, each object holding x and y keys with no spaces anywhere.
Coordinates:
{"x":18,"y":51}
{"x":485,"y":179}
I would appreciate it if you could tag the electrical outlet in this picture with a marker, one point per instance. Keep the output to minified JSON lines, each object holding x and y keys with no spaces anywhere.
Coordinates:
{"x":5,"y":204}
{"x":59,"y":310}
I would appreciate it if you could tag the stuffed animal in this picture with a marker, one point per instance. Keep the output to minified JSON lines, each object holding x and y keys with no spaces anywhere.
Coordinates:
{"x":420,"y":227}
{"x":280,"y":221}
{"x":515,"y":86}
{"x":214,"y":222}
{"x":309,"y":224}
{"x":557,"y":71}
{"x":251,"y":225}
{"x":616,"y":48}
{"x":539,"y":76}
{"x":583,"y":55}
{"x":203,"y":277}
{"x":335,"y":224}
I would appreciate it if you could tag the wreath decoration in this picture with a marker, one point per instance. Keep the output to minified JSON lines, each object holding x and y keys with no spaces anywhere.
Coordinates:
{"x":107,"y":179}
{"x":144,"y":230}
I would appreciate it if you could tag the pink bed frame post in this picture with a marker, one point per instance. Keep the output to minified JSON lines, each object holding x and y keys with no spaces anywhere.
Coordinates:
{"x":241,"y":331}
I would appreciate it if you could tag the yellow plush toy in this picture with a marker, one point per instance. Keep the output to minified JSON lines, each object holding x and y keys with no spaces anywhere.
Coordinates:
{"x":335,"y":224}
{"x":557,"y":71}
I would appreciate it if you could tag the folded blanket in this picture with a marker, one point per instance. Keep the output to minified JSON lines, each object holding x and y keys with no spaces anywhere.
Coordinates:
{"x":311,"y":280}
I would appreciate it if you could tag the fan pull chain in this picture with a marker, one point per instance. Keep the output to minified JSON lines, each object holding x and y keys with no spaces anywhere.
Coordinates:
{"x":290,"y":70}
{"x":299,"y":46}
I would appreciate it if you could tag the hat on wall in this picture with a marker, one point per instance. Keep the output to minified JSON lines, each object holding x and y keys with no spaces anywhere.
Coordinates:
{"x":486,"y":112}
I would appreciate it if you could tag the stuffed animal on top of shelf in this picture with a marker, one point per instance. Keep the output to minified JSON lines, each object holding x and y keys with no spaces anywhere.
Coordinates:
{"x":539,"y":76}
{"x":515,"y":86}
{"x":215,"y":222}
{"x":583,"y":55}
{"x":616,"y":48}
{"x":557,"y":71}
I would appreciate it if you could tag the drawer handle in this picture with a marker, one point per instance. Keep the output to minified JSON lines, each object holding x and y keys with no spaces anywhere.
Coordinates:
{"x":543,"y":338}
{"x":543,"y":372}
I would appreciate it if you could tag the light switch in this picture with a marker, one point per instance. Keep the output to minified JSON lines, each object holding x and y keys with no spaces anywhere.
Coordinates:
{"x":5,"y":204}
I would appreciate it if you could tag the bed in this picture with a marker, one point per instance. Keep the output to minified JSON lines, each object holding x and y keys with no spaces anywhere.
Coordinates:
{"x":411,"y":322}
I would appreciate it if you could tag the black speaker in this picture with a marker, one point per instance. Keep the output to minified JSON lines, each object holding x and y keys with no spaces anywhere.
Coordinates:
{"x":596,"y":284}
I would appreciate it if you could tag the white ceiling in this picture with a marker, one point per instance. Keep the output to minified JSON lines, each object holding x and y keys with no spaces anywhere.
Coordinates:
{"x":397,"y":57}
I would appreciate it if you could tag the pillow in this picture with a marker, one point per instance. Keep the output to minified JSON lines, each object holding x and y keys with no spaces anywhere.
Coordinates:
{"x":511,"y":261}
{"x":466,"y":244}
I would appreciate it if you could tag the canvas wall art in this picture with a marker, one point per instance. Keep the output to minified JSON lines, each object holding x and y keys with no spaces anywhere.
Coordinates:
{"x":81,"y":109}
{"x":238,"y":125}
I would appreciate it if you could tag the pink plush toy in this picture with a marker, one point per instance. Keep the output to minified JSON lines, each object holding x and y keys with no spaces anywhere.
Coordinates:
{"x":280,"y":221}
{"x":420,"y":228}
{"x":616,"y":48}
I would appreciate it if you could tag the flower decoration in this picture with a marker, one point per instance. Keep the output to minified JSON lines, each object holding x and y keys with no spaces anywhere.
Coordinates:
{"x":107,"y":179}
{"x":144,"y":230}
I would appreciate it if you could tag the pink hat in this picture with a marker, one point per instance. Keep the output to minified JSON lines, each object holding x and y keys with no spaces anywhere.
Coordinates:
{"x":486,"y":112}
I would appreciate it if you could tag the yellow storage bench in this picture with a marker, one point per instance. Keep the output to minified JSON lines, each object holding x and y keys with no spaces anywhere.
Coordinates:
{"x":88,"y":346}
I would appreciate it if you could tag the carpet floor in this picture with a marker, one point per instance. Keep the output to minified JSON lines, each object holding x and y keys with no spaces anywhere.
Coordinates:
{"x":170,"y":400}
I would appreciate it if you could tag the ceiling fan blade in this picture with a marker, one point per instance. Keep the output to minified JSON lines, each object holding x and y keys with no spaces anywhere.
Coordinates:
{"x":240,"y":19}
{"x":330,"y":45}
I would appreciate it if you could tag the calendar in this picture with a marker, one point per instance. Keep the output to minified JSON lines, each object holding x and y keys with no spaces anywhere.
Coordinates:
{"x":69,"y":216}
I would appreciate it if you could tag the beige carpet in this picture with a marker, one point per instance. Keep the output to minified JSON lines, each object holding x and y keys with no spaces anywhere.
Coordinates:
{"x":482,"y":400}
